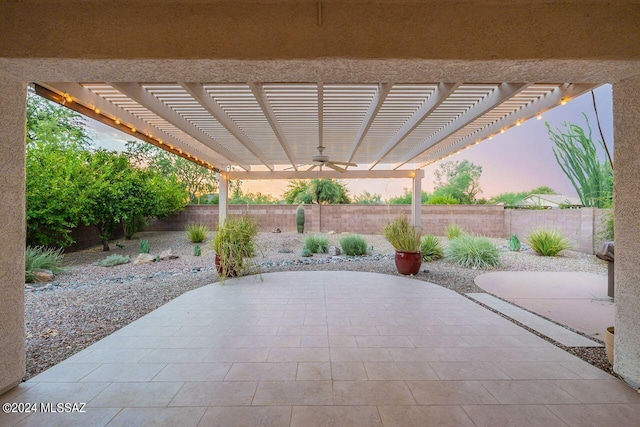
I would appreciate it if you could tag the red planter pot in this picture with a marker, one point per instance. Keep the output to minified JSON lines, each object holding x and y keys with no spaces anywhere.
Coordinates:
{"x":408,"y":262}
{"x":230,"y":273}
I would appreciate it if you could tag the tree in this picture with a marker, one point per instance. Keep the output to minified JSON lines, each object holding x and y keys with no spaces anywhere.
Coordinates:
{"x":459,"y":179}
{"x":56,"y":172}
{"x":577,"y":156}
{"x":407,"y":197}
{"x":366,"y":198}
{"x":195,"y":179}
{"x":318,"y":191}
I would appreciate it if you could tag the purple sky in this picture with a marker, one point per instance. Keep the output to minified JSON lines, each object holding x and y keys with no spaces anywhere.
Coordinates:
{"x":518,"y":160}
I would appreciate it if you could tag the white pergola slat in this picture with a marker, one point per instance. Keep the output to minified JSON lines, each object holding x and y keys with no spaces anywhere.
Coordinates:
{"x":266,"y":128}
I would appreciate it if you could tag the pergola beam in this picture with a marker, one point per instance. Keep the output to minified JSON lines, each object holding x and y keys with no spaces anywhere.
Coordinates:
{"x":539,"y":106}
{"x":350,"y":174}
{"x":136,"y":92}
{"x":197,"y":91}
{"x":503,"y":92}
{"x":437,"y":97}
{"x":109,"y":112}
{"x":367,"y":121}
{"x":263,"y":101}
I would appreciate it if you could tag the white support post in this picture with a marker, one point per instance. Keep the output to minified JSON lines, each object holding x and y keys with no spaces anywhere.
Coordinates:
{"x":416,"y":200}
{"x":223,"y":197}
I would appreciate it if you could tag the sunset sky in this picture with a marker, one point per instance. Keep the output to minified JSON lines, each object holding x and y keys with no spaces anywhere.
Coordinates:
{"x":518,"y":160}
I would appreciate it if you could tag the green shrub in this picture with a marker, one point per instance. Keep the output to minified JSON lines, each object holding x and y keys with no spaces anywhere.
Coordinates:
{"x":514,"y":243}
{"x":41,"y":258}
{"x":144,"y":247}
{"x":353,"y":245}
{"x":196,"y":233}
{"x":454,"y":230}
{"x":115,"y":259}
{"x":473,"y":252}
{"x":607,"y":226}
{"x":431,"y":248}
{"x":306,"y":253}
{"x":547,"y":242}
{"x":197,"y":251}
{"x":317,"y":244}
{"x":403,"y":236}
{"x":442,"y":199}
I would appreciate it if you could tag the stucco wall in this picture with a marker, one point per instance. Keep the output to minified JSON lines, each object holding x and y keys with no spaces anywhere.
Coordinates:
{"x":12,"y":216}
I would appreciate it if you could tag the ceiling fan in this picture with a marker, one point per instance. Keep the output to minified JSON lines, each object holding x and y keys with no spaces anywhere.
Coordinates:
{"x":321,"y":160}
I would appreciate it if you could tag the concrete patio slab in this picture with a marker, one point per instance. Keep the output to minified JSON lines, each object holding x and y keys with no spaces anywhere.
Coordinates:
{"x":557,"y":333}
{"x":448,"y":362}
{"x":578,"y":300}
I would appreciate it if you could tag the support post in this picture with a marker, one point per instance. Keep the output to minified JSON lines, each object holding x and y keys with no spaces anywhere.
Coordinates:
{"x":223,"y":197}
{"x":416,"y":200}
{"x":12,"y":228}
{"x":626,"y":126}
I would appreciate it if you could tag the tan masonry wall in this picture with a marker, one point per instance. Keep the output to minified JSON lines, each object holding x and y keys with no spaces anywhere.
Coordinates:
{"x":580,"y":226}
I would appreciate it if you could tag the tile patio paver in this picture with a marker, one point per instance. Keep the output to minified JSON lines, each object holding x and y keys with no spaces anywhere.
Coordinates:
{"x":341,"y":348}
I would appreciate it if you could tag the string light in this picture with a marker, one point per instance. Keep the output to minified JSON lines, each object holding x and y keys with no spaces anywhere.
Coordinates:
{"x":97,"y":110}
{"x":518,"y":123}
{"x":117,"y":121}
{"x":68,"y":97}
{"x":563,"y":101}
{"x":501,"y":130}
{"x":133,"y":129}
{"x":539,"y":117}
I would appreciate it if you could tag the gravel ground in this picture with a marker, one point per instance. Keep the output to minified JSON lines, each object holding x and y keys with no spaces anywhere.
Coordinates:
{"x":89,"y":302}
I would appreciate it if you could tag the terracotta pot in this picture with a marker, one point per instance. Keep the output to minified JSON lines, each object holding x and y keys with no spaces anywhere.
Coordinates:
{"x":608,"y":343}
{"x":230,"y":273}
{"x":408,"y":262}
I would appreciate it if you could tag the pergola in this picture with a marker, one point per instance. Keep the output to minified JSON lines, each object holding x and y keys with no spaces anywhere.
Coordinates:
{"x":391,"y":85}
{"x":257,"y":130}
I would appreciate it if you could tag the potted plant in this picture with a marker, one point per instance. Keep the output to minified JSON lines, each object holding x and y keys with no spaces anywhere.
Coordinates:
{"x":405,"y":239}
{"x":233,"y":244}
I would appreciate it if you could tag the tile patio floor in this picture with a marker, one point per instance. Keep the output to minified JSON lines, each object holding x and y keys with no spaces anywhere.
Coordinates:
{"x":326,"y":348}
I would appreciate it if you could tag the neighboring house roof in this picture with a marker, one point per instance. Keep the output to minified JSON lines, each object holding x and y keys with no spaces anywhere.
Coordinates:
{"x":549,"y":200}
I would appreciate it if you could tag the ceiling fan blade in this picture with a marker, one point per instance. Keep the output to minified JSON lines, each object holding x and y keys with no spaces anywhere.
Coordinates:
{"x":312,"y":168}
{"x":334,"y":167}
{"x":344,"y":163}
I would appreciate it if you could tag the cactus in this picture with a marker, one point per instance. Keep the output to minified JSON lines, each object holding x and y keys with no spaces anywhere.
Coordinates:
{"x":514,"y":243}
{"x":300,"y":219}
{"x":197,"y":251}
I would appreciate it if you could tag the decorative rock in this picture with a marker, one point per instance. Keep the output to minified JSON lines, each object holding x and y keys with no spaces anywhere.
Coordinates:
{"x":285,"y":251}
{"x":276,"y":230}
{"x":144,"y":259}
{"x":334,"y":251}
{"x":331,"y":233}
{"x":43,"y":276}
{"x":165,"y":255}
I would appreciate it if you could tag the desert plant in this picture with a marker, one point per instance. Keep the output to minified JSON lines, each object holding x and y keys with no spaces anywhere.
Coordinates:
{"x":442,"y":199}
{"x":547,"y":242}
{"x":41,"y":258}
{"x":454,"y":230}
{"x":197,"y":251}
{"x":317,"y":244}
{"x":196,"y":233}
{"x":306,"y":253}
{"x":144,"y":247}
{"x":300,"y":219}
{"x":607,"y":226}
{"x":403,"y":236}
{"x":431,"y":248}
{"x":353,"y":245}
{"x":115,"y":259}
{"x":514,"y":243}
{"x":233,"y":244}
{"x":472,"y":252}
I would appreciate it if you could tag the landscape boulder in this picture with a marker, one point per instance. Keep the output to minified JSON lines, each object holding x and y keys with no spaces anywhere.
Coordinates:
{"x":144,"y":259}
{"x":165,"y":255}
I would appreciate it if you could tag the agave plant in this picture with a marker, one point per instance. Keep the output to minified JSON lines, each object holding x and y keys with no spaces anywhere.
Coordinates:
{"x":514,"y":243}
